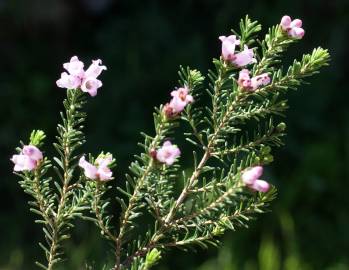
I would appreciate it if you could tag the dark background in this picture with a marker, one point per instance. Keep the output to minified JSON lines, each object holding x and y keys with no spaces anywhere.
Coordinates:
{"x":143,"y":43}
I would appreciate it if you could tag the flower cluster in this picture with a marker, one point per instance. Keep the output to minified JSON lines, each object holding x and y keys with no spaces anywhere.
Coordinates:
{"x":28,"y":159}
{"x":252,"y":84}
{"x":241,"y":59}
{"x":250,"y":179}
{"x":77,"y":77}
{"x":293,"y":28}
{"x":98,"y":171}
{"x":217,"y":193}
{"x":180,"y":99}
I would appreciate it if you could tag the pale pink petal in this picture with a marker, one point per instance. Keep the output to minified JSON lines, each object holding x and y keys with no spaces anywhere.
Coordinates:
{"x":228,"y":46}
{"x":169,"y":161}
{"x":177,"y":104}
{"x":244,"y":58}
{"x":189,"y":99}
{"x":250,"y":175}
{"x":285,"y":22}
{"x":260,"y":185}
{"x":260,"y":80}
{"x":95,"y":69}
{"x":296,"y":32}
{"x":168,"y":153}
{"x":33,"y":152}
{"x":68,"y":81}
{"x":90,"y":85}
{"x":90,"y":170}
{"x":244,"y":80}
{"x":23,"y":163}
{"x":75,"y":67}
{"x":104,"y":173}
{"x":167,"y":143}
{"x":296,"y":23}
{"x":180,"y":99}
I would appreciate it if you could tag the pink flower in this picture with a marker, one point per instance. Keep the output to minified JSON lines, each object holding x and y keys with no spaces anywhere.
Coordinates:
{"x":28,"y":159}
{"x":180,"y":99}
{"x":90,"y":85}
{"x":245,"y":82}
{"x":260,"y":80}
{"x":95,"y":69}
{"x":168,"y":153}
{"x":33,"y":152}
{"x":75,"y":67}
{"x":90,"y":170}
{"x":250,"y":179}
{"x":244,"y":57}
{"x":100,"y":171}
{"x":68,"y":81}
{"x":78,"y":78}
{"x":252,"y":174}
{"x":260,"y":185}
{"x":103,"y":170}
{"x":23,"y":163}
{"x":292,"y":28}
{"x":228,"y":47}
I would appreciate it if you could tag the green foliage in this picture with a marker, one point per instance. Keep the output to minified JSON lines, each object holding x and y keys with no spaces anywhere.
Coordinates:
{"x":235,"y":131}
{"x":58,"y":208}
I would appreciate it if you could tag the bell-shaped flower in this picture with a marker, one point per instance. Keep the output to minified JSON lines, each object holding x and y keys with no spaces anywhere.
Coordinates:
{"x":95,"y":69}
{"x":252,"y":84}
{"x":228,"y":47}
{"x":260,"y":80}
{"x":244,"y":80}
{"x":292,"y":27}
{"x":180,"y":99}
{"x":260,"y":185}
{"x":78,"y":78}
{"x":250,"y":175}
{"x":244,"y":57}
{"x":99,"y":171}
{"x":68,"y":81}
{"x":33,"y":152}
{"x":90,"y":85}
{"x":104,"y":171}
{"x":23,"y":163}
{"x":168,"y":153}
{"x":250,"y":179}
{"x":90,"y":170}
{"x":28,"y":159}
{"x":75,"y":67}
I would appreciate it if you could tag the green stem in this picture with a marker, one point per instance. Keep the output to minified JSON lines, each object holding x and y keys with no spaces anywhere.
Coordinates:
{"x":134,"y":198}
{"x":72,"y":100}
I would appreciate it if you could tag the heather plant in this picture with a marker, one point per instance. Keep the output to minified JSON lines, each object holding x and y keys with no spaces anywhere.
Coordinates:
{"x":232,"y":121}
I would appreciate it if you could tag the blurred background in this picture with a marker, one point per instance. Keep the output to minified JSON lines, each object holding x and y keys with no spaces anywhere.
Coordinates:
{"x":143,"y":43}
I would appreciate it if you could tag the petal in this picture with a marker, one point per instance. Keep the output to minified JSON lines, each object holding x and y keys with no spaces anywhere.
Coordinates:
{"x":260,"y":185}
{"x":23,"y":163}
{"x":95,"y":69}
{"x":250,"y":175}
{"x":296,"y":23}
{"x":33,"y":152}
{"x":177,"y":104}
{"x":296,"y":32}
{"x":104,"y":173}
{"x":285,"y":22}
{"x":90,"y":170}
